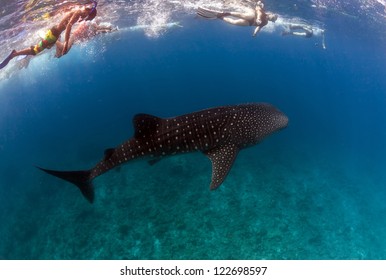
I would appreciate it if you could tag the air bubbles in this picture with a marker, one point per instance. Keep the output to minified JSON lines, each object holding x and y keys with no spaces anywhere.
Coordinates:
{"x":154,"y":16}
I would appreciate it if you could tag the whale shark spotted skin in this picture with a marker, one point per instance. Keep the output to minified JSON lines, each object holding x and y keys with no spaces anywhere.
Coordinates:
{"x":220,"y":133}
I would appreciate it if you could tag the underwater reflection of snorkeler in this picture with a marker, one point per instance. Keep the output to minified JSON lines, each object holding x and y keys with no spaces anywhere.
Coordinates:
{"x":84,"y":31}
{"x":83,"y":12}
{"x":250,"y":17}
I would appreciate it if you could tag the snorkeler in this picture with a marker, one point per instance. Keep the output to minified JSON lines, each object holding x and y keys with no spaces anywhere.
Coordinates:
{"x":299,"y":30}
{"x":82,"y":12}
{"x":251,"y":17}
{"x":305,"y":31}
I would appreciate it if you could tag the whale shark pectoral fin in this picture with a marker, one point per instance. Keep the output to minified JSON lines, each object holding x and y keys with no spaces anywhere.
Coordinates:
{"x":108,"y":153}
{"x":154,"y":161}
{"x":222,"y":160}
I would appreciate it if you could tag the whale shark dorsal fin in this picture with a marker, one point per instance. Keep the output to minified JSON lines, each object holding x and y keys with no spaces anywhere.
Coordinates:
{"x":222,"y":160}
{"x":145,"y":125}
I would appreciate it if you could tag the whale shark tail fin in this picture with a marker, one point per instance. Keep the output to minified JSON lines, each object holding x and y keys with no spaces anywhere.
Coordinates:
{"x":79,"y":178}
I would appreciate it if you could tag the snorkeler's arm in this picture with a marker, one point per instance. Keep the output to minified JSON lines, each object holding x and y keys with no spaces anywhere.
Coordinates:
{"x":259,"y":17}
{"x":257,"y":29}
{"x":74,"y":19}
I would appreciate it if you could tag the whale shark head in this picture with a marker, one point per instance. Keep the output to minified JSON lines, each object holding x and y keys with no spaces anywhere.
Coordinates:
{"x":260,"y":121}
{"x":277,"y":119}
{"x":269,"y":119}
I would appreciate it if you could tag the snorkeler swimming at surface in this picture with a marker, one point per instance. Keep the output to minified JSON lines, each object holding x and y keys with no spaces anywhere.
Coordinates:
{"x":82,"y":12}
{"x":250,"y":17}
{"x":305,"y":31}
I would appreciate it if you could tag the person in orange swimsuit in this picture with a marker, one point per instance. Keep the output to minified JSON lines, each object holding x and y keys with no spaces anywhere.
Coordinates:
{"x":82,"y":12}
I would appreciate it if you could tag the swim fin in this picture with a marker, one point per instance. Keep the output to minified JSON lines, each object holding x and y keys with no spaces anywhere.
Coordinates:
{"x":7,"y":60}
{"x":210,"y":14}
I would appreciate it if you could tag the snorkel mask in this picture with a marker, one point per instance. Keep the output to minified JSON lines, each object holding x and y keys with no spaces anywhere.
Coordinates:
{"x":93,"y":10}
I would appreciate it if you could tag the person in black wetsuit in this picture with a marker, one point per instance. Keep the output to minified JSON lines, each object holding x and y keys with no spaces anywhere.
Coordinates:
{"x":250,"y":17}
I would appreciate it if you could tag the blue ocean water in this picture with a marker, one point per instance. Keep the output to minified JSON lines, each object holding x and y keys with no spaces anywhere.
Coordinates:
{"x":315,"y":190}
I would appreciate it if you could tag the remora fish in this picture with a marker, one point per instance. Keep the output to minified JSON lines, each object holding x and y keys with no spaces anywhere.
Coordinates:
{"x":220,"y":133}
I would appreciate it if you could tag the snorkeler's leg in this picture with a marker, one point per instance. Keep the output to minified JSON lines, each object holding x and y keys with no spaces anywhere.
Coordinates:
{"x":240,"y":22}
{"x":14,"y":53}
{"x":323,"y":41}
{"x":60,"y":47}
{"x":246,"y":15}
{"x":27,"y":51}
{"x":293,"y":26}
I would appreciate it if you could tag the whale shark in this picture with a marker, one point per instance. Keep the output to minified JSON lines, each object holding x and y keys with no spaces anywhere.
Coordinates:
{"x":220,"y":133}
